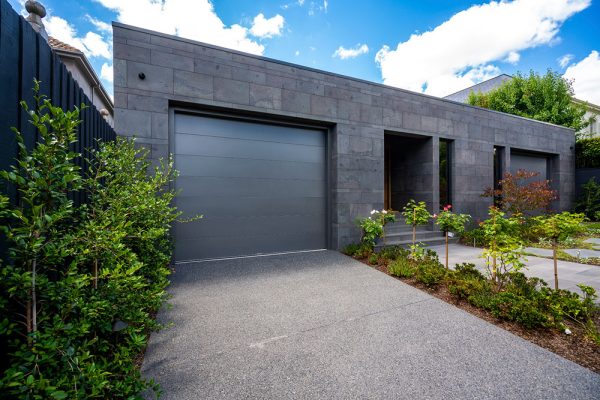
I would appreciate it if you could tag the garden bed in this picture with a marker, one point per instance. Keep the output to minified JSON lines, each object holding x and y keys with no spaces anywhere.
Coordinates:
{"x":577,"y":346}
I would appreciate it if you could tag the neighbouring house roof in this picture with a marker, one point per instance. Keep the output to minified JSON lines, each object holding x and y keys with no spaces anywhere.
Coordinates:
{"x":463,"y":95}
{"x":58,"y":45}
{"x":66,"y":51}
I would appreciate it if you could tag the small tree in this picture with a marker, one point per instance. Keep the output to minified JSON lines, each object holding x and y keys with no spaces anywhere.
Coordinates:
{"x":502,"y":252}
{"x":451,"y":222}
{"x":415,"y":214}
{"x":373,"y":226}
{"x":43,"y":178}
{"x":546,"y":98}
{"x":558,"y":227}
{"x":519,"y":194}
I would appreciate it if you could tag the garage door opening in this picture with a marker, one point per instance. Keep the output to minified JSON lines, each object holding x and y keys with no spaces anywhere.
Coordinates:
{"x":260,"y":187}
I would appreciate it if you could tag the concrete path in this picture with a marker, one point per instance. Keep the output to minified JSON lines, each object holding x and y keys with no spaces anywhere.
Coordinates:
{"x":323,"y":326}
{"x":569,"y":273}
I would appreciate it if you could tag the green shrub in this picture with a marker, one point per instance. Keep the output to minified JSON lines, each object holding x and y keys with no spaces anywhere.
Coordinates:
{"x":587,"y":152}
{"x":430,"y":273}
{"x":402,"y":267}
{"x":589,"y":200}
{"x":82,"y":283}
{"x":468,"y":271}
{"x":393,"y":252}
{"x":351,"y":249}
{"x":525,"y":311}
{"x":474,"y":237}
{"x":374,"y":259}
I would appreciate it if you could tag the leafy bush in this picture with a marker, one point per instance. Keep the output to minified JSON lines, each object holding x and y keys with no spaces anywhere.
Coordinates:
{"x":507,"y":305}
{"x":474,"y":237}
{"x":372,"y":226}
{"x":588,"y":202}
{"x":430,"y":273}
{"x":393,"y":253}
{"x":587,"y":152}
{"x":402,"y":267}
{"x":82,"y":283}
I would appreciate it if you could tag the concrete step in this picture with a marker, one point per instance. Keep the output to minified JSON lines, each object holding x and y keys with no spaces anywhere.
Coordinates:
{"x":408,"y":235}
{"x":428,"y":242}
{"x":401,"y":227}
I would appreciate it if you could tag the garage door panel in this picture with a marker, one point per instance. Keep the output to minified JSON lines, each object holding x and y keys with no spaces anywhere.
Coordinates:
{"x":250,"y":187}
{"x":243,"y":130}
{"x":228,"y":206}
{"x":261,"y":188}
{"x":237,"y":148}
{"x":252,"y":226}
{"x":222,"y":167}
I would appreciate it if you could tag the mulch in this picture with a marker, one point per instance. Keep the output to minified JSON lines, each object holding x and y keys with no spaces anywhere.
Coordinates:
{"x":576,"y":347}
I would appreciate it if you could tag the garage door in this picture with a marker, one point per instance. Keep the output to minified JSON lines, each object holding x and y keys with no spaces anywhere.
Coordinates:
{"x":260,"y":187}
{"x":531,"y":163}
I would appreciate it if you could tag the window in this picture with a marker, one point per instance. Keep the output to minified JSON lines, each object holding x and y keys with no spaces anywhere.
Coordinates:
{"x":445,"y":153}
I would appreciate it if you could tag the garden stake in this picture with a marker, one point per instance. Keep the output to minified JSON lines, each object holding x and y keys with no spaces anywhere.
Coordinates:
{"x":414,"y":225}
{"x":96,"y":273}
{"x":446,"y":249}
{"x":33,"y":298}
{"x":554,"y":245}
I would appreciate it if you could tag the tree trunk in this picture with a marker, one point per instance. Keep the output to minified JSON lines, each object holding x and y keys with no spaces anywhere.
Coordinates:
{"x":414,"y":226}
{"x":554,"y":245}
{"x":494,"y":261}
{"x":96,"y":273}
{"x":33,"y":297}
{"x":446,"y":249}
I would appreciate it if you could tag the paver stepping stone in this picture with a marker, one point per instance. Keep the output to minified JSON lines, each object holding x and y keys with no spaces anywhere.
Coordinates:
{"x":539,"y":252}
{"x":582,"y":253}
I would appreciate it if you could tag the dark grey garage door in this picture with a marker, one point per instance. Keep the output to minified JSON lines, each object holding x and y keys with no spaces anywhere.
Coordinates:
{"x":530,"y":162}
{"x":260,"y":187}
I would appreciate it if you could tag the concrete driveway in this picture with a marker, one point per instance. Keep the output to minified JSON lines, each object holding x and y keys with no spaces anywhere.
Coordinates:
{"x":321,"y":325}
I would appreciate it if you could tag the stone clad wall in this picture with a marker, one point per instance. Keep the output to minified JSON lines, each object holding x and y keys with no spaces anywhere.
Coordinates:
{"x":358,"y":113}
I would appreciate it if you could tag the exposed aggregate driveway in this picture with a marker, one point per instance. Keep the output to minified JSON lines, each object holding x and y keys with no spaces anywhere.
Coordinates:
{"x":321,"y":325}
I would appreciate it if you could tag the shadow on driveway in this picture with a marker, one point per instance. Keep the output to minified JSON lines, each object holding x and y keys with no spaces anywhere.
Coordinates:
{"x":321,"y":325}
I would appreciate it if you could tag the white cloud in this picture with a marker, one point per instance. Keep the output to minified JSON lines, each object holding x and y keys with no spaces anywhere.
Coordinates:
{"x":297,"y":53}
{"x":100,"y":25}
{"x":460,"y":51}
{"x":195,"y":20}
{"x":513,"y":57}
{"x":92,"y":44}
{"x":353,"y":52}
{"x":565,"y":60}
{"x":107,"y":72}
{"x":267,"y":28}
{"x":586,"y":78}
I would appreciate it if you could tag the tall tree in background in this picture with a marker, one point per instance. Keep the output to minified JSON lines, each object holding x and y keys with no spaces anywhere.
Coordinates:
{"x":546,"y":98}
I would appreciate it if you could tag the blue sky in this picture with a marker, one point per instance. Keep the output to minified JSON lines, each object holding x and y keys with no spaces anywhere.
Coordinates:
{"x":431,"y":46}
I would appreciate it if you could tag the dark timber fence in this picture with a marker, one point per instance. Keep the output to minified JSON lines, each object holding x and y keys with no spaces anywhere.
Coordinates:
{"x":25,"y":56}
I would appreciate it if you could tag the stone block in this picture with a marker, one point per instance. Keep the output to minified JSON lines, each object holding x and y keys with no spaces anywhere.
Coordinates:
{"x":132,"y":53}
{"x":133,"y":123}
{"x":295,"y":101}
{"x":156,"y":79}
{"x":172,"y":60}
{"x":265,"y":96}
{"x":193,"y":85}
{"x":231,"y":91}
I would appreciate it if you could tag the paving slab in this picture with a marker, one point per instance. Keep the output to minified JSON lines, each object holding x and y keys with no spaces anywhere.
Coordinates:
{"x":593,"y":241}
{"x":582,"y":253}
{"x":539,"y":252}
{"x":321,"y":325}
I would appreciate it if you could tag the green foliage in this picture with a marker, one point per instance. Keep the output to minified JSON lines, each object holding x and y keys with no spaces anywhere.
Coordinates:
{"x":587,"y":153}
{"x":430,"y":273}
{"x":393,"y":253}
{"x":503,"y":251}
{"x":546,"y":98}
{"x":449,"y":221}
{"x":474,"y":237}
{"x":76,"y":273}
{"x":416,"y":213}
{"x":372,"y":226}
{"x":558,"y":226}
{"x":373,"y":259}
{"x":402,"y":267}
{"x":589,"y":200}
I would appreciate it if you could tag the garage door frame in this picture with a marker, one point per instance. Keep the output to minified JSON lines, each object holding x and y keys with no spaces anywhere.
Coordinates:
{"x":278,"y":120}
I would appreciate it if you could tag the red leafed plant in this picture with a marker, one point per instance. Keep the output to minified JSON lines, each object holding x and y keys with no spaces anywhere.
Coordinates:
{"x":519,"y":194}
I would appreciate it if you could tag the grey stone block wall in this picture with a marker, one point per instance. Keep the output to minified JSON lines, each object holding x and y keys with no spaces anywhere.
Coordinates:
{"x":357,"y":113}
